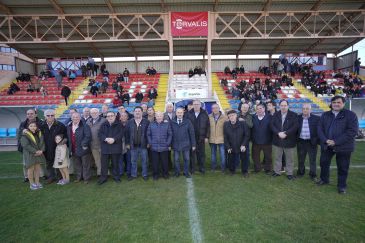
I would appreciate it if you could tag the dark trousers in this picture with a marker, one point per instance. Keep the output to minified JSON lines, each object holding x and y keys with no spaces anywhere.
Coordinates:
{"x":159,"y":159}
{"x":256,"y":150}
{"x":169,"y":160}
{"x":83,"y":166}
{"x":125,"y":163}
{"x":52,"y":173}
{"x":66,"y":99}
{"x":234,"y":159}
{"x":305,"y":147}
{"x":199,"y":156}
{"x":105,"y":158}
{"x":343,"y":164}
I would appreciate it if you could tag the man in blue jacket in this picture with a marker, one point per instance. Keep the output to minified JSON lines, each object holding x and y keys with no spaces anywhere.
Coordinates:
{"x":159,"y":136}
{"x":337,"y":130}
{"x":110,"y":134}
{"x":183,"y":139}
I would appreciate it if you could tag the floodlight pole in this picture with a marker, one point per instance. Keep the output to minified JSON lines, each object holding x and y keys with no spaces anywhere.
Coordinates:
{"x":211,"y":29}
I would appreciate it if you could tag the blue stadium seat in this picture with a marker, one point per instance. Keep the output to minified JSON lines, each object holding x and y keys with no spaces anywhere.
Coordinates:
{"x":12,"y":132}
{"x":3,"y":133}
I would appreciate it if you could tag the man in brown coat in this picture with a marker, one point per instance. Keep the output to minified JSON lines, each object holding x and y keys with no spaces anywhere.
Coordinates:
{"x":216,"y":138}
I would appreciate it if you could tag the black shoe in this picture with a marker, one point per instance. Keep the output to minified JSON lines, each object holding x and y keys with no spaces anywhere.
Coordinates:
{"x":117,"y":180}
{"x":166,"y":176}
{"x":321,"y":183}
{"x":177,"y":174}
{"x":291,"y":177}
{"x":145,"y":178}
{"x":26,"y":180}
{"x":44,"y":177}
{"x":268,"y":172}
{"x":245,"y":175}
{"x":300,"y":175}
{"x":130,"y":178}
{"x":275,"y":174}
{"x":202,"y":172}
{"x":101,"y":182}
{"x":187,"y":175}
{"x":313,"y":177}
{"x":341,"y":190}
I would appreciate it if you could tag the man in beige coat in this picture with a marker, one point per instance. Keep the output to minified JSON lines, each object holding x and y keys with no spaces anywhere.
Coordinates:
{"x":95,"y":123}
{"x":216,"y":139}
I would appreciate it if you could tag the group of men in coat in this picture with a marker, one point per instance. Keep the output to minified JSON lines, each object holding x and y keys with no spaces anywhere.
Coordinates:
{"x":108,"y":136}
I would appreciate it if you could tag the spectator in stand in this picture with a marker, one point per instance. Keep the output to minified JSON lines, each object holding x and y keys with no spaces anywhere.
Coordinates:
{"x":126,"y":98}
{"x":94,"y":90}
{"x":357,"y":64}
{"x":152,"y":94}
{"x":227,"y":70}
{"x":58,"y":77}
{"x":191,"y":73}
{"x":103,"y":68}
{"x":83,"y":71}
{"x":242,"y":69}
{"x":116,"y":102}
{"x":13,"y":88}
{"x":126,"y":75}
{"x":72,"y":75}
{"x":120,"y":77}
{"x":139,"y":96}
{"x":66,"y":92}
{"x":105,"y":74}
{"x":104,"y":86}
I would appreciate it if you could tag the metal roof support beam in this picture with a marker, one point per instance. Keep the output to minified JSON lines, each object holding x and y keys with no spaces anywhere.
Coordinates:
{"x":60,"y":10}
{"x":267,"y":4}
{"x":298,"y":25}
{"x":337,"y":27}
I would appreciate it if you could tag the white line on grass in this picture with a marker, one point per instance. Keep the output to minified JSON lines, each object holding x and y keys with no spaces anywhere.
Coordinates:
{"x":194,"y":218}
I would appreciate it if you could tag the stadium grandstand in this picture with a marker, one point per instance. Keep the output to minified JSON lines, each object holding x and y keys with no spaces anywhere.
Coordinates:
{"x":64,"y":55}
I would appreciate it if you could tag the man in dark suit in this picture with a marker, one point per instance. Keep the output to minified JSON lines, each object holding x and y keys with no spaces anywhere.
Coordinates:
{"x":307,"y":141}
{"x":337,"y":130}
{"x":284,"y":125}
{"x":200,"y":120}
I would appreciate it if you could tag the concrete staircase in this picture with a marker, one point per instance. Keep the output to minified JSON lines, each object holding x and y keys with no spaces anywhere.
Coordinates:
{"x":220,"y":92}
{"x":322,"y":105}
{"x":162,"y":90}
{"x":74,"y":95}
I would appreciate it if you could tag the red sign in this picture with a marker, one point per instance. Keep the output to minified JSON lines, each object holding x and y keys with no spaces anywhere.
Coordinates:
{"x":189,"y":23}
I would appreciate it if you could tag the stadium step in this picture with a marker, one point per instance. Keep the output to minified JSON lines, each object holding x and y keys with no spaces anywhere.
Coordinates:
{"x":162,"y":92}
{"x":322,"y":105}
{"x":221,"y":95}
{"x":74,"y":95}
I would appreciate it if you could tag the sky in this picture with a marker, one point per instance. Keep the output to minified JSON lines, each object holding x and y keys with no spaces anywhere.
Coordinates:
{"x":360,"y":47}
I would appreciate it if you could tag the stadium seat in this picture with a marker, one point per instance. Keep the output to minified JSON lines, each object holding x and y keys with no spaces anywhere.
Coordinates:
{"x":3,"y":133}
{"x":12,"y":132}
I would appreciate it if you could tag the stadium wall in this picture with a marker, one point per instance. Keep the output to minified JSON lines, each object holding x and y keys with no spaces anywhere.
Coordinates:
{"x":23,"y":66}
{"x":346,"y":61}
{"x":184,"y":65}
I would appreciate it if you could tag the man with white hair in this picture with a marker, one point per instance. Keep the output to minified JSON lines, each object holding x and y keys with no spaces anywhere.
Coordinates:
{"x":308,"y":141}
{"x":95,"y":123}
{"x":159,"y":136}
{"x":50,"y":129}
{"x":169,"y":114}
{"x":86,"y":114}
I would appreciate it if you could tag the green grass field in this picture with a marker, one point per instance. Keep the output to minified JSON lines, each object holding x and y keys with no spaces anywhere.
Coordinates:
{"x":231,"y":208}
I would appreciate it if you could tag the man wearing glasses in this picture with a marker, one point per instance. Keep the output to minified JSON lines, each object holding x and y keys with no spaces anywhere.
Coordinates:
{"x":50,"y":128}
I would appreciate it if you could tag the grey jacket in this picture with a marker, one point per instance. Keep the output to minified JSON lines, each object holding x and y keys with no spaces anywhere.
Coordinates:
{"x":95,"y":127}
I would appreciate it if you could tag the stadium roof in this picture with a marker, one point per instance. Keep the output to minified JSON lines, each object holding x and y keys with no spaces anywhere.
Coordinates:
{"x":226,"y":12}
